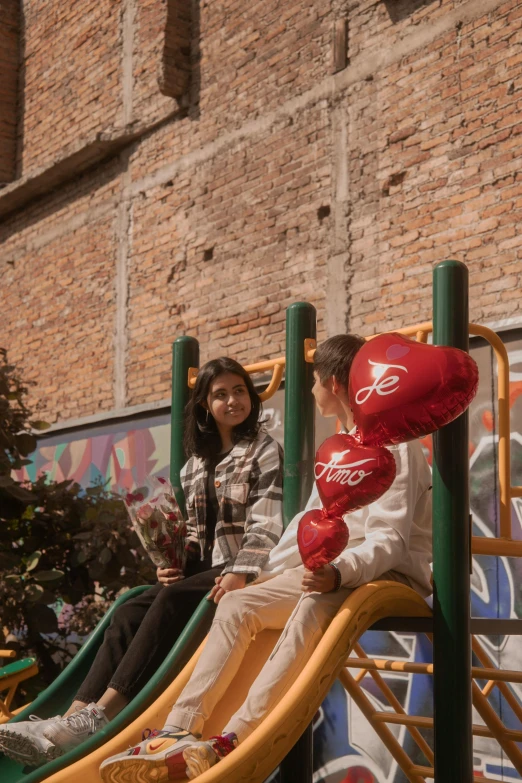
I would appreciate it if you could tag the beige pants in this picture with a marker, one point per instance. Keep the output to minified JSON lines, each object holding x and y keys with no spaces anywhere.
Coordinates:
{"x":239,"y":617}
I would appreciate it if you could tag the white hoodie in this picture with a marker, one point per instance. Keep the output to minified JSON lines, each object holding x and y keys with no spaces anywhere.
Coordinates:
{"x":394,"y":533}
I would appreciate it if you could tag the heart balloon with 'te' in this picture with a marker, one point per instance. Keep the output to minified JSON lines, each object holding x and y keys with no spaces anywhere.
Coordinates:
{"x":400,"y":390}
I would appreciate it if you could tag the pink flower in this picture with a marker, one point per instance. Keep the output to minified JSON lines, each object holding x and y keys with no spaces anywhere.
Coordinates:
{"x":153,"y":524}
{"x":172,"y":516}
{"x":145,"y":512}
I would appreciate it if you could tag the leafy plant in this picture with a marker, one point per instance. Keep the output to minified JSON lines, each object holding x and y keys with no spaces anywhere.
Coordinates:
{"x":65,"y":552}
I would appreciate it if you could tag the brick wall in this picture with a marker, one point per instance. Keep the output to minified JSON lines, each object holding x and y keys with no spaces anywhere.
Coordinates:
{"x":270,"y":179}
{"x":71,"y":63}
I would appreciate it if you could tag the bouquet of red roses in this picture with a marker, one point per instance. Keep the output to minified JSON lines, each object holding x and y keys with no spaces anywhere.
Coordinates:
{"x":158,"y":522}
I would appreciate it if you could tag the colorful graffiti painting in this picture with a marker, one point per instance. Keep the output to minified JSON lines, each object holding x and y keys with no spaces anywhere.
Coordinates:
{"x":118,"y":455}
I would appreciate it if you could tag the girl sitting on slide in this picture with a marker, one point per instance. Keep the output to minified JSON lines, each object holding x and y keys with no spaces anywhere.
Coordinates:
{"x":233,"y":490}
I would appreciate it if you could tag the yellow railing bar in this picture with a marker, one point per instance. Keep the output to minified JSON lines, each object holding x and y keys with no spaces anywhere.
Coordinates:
{"x":493,"y":722}
{"x":275,"y":383}
{"x":478,"y":672}
{"x":498,"y":547}
{"x":309,"y":347}
{"x":427,"y":723}
{"x":485,"y":660}
{"x":395,"y":703}
{"x":504,"y":445}
{"x":493,"y":728}
{"x":276,"y":365}
{"x":381,"y":729}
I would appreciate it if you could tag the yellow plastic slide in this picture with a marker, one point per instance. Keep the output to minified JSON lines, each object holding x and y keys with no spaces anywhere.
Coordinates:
{"x":260,"y":754}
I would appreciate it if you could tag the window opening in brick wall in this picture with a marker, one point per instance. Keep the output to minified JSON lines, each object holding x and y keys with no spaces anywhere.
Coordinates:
{"x":175,"y":71}
{"x":9,"y":81}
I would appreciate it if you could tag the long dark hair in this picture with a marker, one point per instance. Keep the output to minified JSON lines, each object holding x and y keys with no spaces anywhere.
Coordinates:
{"x":202,"y":438}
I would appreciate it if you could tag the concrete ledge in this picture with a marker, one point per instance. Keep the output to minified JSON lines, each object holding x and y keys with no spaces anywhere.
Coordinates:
{"x":107,"y":417}
{"x":75,"y":161}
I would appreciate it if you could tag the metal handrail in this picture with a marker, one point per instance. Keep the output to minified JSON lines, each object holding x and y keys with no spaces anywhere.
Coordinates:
{"x":276,"y":365}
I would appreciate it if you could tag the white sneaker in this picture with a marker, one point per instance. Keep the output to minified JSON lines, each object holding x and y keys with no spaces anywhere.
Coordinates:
{"x":25,"y":743}
{"x":68,"y":733}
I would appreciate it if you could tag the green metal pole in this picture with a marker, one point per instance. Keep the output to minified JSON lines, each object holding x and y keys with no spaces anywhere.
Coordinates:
{"x":299,"y":410}
{"x":185,"y":354}
{"x":299,"y":475}
{"x":451,"y":550}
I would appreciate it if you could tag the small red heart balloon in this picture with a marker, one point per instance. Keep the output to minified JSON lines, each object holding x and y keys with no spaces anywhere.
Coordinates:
{"x":320,"y":538}
{"x":349,"y":476}
{"x":401,"y":390}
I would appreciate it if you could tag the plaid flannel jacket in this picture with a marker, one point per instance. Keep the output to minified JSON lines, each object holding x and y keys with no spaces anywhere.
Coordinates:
{"x":249,"y":489}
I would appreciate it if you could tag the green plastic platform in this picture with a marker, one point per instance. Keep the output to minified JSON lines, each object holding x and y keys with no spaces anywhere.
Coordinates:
{"x":16,"y":667}
{"x":56,"y":699}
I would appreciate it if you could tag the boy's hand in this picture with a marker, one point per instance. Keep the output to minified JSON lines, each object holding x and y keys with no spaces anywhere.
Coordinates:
{"x":320,"y":581}
{"x":225,"y":584}
{"x":167,"y":576}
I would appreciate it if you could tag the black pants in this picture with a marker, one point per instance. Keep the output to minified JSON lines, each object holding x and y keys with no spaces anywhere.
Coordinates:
{"x":141,"y":634}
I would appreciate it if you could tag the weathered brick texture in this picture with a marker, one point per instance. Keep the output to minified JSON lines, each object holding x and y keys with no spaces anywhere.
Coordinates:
{"x":440,"y":137}
{"x":71,"y":75}
{"x":258,"y":178}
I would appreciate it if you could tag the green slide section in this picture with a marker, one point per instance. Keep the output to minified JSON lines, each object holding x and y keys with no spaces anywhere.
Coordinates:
{"x":56,"y":699}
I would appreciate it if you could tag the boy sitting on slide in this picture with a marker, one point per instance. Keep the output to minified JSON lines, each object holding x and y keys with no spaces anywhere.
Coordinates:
{"x":389,"y":539}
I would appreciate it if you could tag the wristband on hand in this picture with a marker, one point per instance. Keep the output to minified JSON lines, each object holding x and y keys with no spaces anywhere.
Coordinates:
{"x":338,"y":578}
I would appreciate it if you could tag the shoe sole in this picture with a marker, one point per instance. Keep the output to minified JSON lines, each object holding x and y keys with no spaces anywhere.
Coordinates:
{"x":136,"y":770}
{"x":25,"y":751}
{"x":198,"y":759}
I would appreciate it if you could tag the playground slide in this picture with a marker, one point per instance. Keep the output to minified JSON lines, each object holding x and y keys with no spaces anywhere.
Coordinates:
{"x":57,"y":698}
{"x":261,"y":753}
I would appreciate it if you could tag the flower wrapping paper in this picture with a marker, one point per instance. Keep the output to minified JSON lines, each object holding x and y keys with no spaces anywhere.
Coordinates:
{"x":157,"y":519}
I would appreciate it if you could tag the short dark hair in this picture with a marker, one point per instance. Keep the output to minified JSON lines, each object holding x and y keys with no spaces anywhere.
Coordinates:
{"x":202,"y":437}
{"x":335,"y":356}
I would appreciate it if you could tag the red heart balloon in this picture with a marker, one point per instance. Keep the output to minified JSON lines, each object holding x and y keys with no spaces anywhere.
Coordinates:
{"x":349,"y":476}
{"x":320,"y":538}
{"x":401,"y":390}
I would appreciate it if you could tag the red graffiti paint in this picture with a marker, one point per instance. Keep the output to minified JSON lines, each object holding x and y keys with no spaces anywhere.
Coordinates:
{"x":358,"y":775}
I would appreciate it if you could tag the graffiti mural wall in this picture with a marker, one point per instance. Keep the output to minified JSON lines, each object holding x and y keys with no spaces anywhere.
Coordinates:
{"x":346,"y":748}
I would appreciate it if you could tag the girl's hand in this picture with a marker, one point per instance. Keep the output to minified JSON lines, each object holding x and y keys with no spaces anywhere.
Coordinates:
{"x":167,"y":576}
{"x":225,"y":584}
{"x":320,"y":581}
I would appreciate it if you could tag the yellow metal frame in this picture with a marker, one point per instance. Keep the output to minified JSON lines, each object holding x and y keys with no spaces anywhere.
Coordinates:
{"x":276,"y":365}
{"x":10,"y":684}
{"x":256,"y":757}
